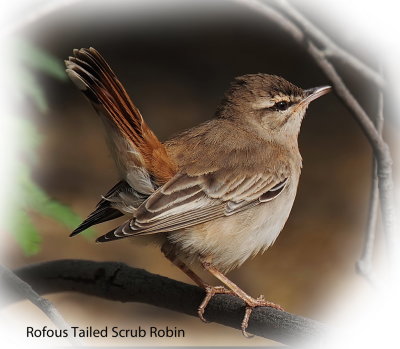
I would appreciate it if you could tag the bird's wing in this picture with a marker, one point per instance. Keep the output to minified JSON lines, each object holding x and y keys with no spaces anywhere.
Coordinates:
{"x":143,"y":157}
{"x":120,"y":199}
{"x":186,"y":201}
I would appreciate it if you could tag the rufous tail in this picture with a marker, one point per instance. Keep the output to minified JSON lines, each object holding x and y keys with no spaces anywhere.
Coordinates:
{"x":136,"y":145}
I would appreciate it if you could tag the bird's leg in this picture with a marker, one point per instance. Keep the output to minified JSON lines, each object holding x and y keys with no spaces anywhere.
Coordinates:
{"x":210,"y":290}
{"x":251,"y":302}
{"x":171,"y":255}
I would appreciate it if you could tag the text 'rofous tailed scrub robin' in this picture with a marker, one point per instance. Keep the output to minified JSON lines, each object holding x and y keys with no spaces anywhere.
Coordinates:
{"x":216,"y":194}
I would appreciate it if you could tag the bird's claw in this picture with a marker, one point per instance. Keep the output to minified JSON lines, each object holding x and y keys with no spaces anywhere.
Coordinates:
{"x":250,"y":305}
{"x":210,"y":292}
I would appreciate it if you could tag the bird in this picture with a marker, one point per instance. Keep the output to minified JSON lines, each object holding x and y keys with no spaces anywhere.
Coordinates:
{"x":214,"y":195}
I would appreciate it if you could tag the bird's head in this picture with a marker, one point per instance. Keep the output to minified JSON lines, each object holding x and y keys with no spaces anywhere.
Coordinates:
{"x":271,"y":105}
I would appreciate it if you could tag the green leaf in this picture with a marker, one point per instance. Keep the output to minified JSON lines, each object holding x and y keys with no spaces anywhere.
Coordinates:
{"x":30,"y":86}
{"x":40,"y":59}
{"x":25,"y":233}
{"x":29,"y":139}
{"x":37,"y":199}
{"x":29,"y":57}
{"x":29,"y":134}
{"x":29,"y":197}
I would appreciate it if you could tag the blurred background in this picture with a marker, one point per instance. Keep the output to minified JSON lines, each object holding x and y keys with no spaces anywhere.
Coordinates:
{"x":176,"y":61}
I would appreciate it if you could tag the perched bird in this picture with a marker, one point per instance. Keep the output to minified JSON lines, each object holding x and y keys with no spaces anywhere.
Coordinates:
{"x":216,"y":194}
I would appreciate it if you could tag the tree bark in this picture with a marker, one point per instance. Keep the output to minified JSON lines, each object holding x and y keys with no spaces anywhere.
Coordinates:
{"x":119,"y":282}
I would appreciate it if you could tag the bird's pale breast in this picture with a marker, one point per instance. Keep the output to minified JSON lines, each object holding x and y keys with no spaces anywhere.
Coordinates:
{"x":231,"y":240}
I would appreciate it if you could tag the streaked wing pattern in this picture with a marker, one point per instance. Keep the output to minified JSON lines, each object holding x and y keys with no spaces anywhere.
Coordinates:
{"x":186,"y":201}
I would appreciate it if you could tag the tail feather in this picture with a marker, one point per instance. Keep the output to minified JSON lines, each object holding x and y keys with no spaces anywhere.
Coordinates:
{"x":100,"y":215}
{"x":141,"y":158}
{"x":120,"y":199}
{"x":104,"y":210}
{"x":94,"y":77}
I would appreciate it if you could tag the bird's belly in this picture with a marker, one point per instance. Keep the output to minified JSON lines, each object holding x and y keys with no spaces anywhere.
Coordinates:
{"x":229,"y":241}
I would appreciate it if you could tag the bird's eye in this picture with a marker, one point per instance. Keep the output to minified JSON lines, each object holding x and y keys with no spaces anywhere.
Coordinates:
{"x":282,"y":105}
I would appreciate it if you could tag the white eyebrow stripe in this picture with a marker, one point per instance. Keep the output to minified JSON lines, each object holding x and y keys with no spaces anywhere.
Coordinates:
{"x":262,"y":104}
{"x":269,"y":102}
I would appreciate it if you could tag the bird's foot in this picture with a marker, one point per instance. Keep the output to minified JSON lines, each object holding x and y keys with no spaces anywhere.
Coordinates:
{"x":210,"y":292}
{"x":252,"y":303}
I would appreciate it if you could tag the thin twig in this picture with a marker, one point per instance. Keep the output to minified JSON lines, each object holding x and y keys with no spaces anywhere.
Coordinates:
{"x":331,"y":48}
{"x":380,"y":148}
{"x":364,"y":264}
{"x":117,"y":281}
{"x":15,"y":287}
{"x":276,"y":17}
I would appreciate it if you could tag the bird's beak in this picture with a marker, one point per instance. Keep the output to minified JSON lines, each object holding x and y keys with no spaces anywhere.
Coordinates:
{"x":314,"y":93}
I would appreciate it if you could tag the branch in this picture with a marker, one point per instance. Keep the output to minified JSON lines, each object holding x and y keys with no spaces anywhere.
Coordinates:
{"x":331,"y":48}
{"x":364,"y":264}
{"x":117,"y":281}
{"x":17,"y":288}
{"x":380,"y":148}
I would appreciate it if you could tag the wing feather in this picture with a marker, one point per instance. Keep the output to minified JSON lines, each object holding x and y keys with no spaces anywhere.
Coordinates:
{"x":166,"y":211}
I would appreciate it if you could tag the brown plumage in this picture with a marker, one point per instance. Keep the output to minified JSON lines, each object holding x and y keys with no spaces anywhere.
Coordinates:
{"x":100,"y":85}
{"x":216,"y":194}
